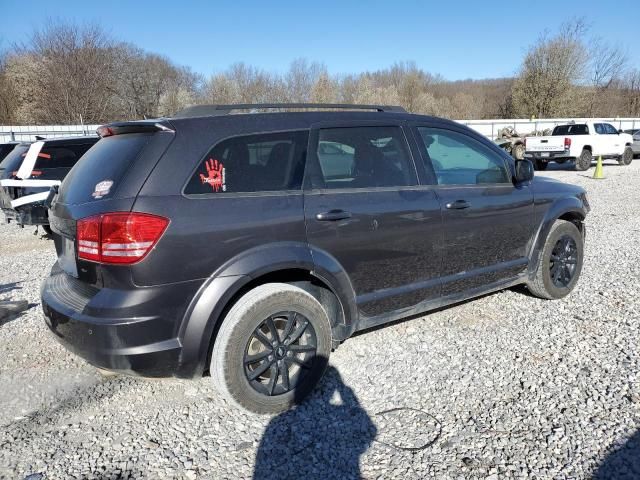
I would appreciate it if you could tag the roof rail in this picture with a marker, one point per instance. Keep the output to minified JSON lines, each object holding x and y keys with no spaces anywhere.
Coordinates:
{"x":214,"y":110}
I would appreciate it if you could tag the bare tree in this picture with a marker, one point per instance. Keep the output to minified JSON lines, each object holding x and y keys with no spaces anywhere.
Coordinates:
{"x":550,"y":73}
{"x":72,"y":70}
{"x":607,"y":65}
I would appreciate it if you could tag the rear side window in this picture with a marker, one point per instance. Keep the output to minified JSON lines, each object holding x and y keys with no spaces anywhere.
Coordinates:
{"x":254,"y":163}
{"x":60,"y":157}
{"x":106,"y":161}
{"x":363,"y":157}
{"x":580,"y":129}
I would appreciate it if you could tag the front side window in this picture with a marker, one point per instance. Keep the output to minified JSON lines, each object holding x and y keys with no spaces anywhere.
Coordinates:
{"x":610,"y":129}
{"x":600,"y":130}
{"x":253,"y":163}
{"x":363,"y":157}
{"x":458,"y":159}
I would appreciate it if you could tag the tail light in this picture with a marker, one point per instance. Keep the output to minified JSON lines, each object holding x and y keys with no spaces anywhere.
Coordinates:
{"x":119,"y":238}
{"x":567,"y":143}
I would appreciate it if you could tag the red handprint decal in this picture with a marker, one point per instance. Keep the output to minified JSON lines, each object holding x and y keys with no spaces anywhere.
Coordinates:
{"x":215,"y":175}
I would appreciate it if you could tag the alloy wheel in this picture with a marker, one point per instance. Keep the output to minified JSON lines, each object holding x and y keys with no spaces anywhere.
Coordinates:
{"x":563,"y":262}
{"x":279,"y":353}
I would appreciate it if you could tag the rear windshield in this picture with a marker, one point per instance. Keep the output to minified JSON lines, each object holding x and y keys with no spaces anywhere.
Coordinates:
{"x":12,"y":162}
{"x":571,"y":130}
{"x":105,"y":163}
{"x":60,"y":156}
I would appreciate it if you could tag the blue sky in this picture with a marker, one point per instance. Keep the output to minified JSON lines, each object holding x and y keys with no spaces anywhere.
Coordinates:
{"x":461,"y":39}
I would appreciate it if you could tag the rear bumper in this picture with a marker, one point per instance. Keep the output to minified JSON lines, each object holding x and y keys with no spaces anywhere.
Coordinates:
{"x":550,"y":156}
{"x":134,"y":331}
{"x":27,"y":215}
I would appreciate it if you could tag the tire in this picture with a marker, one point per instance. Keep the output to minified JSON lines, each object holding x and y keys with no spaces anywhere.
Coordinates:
{"x":517,"y":152}
{"x":583,"y":162}
{"x":540,"y":165}
{"x":47,"y":229}
{"x":626,"y":157}
{"x":264,"y":310}
{"x":543,"y":284}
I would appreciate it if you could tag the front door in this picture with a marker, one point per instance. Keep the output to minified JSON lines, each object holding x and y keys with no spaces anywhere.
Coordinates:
{"x":364,"y":207}
{"x":487,"y":220}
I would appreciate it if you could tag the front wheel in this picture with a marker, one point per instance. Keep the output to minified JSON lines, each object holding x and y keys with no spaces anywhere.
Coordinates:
{"x":626,"y":157}
{"x":560,"y":262}
{"x":272,"y":348}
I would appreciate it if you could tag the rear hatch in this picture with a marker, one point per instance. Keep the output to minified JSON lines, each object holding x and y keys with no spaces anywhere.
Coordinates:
{"x":106,"y":179}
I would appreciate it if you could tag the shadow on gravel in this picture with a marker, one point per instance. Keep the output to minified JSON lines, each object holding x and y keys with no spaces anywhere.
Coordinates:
{"x":623,"y":463}
{"x":9,"y":287}
{"x":73,"y":401}
{"x":322,"y":438}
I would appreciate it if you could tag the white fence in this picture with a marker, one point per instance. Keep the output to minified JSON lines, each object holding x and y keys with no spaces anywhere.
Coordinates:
{"x":488,"y":128}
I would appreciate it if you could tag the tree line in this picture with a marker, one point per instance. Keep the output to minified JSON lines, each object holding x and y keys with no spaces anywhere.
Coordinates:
{"x":68,"y":73}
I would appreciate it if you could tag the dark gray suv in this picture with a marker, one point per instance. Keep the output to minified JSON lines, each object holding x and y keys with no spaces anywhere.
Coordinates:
{"x":250,"y":245}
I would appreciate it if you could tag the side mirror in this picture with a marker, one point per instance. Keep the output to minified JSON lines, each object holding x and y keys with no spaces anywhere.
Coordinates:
{"x":524,"y":171}
{"x":620,"y":131}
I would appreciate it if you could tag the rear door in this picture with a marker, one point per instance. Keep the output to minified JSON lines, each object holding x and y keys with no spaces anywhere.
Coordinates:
{"x":364,"y":207}
{"x":487,"y":220}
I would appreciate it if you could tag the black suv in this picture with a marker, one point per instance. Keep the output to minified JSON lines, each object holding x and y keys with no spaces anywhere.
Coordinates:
{"x":250,"y":245}
{"x":30,"y":169}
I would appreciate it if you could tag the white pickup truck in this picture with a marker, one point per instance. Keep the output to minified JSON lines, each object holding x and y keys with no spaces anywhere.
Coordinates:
{"x":581,"y":142}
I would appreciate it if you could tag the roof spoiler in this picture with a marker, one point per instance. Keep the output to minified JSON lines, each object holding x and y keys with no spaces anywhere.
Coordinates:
{"x":215,"y":110}
{"x":133,"y":127}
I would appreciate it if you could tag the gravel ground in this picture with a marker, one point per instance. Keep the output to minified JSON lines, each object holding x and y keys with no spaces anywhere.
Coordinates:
{"x":505,"y":386}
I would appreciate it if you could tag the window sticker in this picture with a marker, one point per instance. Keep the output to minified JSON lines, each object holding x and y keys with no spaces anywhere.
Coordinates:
{"x":216,"y":175}
{"x":103,"y":188}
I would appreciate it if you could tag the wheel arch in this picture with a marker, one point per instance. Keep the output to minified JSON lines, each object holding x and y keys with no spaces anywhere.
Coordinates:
{"x":287,"y":262}
{"x":570,"y":209}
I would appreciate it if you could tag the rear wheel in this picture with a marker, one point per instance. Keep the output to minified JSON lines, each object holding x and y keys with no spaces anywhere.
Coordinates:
{"x":626,"y":157}
{"x":583,"y":162}
{"x":272,"y":348}
{"x":541,"y":164}
{"x":560,"y":262}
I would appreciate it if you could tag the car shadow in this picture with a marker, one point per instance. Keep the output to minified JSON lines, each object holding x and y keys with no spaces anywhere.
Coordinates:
{"x":9,"y":287}
{"x":622,"y":463}
{"x":321,"y":438}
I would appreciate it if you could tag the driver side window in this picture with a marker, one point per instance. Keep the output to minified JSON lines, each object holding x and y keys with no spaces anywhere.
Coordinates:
{"x":458,"y":159}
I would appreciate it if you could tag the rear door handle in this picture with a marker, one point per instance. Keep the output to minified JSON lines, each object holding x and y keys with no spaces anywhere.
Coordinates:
{"x":332,"y":215}
{"x":458,"y":205}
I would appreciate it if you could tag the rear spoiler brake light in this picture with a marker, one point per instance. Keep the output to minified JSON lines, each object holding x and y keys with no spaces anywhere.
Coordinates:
{"x":132,"y":127}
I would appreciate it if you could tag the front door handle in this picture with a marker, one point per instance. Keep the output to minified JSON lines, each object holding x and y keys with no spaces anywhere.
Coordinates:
{"x":458,"y":205}
{"x":332,"y":215}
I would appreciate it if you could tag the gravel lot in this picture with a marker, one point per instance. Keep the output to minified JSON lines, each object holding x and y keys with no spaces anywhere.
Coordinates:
{"x":506,"y":386}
